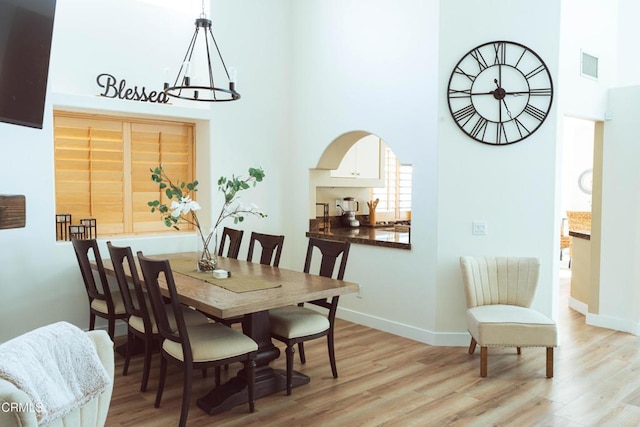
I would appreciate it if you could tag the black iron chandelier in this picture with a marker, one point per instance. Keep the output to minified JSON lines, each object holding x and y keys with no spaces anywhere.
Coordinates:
{"x":186,"y":87}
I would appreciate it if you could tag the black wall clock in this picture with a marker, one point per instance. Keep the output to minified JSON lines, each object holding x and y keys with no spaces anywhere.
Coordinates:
{"x":500,"y":92}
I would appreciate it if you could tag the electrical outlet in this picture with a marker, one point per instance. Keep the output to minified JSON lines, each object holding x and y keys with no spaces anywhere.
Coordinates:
{"x":338,"y":203}
{"x":359,"y":294}
{"x":479,"y":228}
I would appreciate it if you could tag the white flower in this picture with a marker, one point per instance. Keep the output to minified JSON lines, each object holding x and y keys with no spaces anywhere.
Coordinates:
{"x":184,"y":206}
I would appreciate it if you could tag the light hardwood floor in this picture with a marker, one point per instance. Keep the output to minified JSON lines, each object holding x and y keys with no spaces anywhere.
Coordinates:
{"x":392,"y":381}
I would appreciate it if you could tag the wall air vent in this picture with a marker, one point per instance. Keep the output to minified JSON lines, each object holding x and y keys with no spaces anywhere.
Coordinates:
{"x":588,"y":65}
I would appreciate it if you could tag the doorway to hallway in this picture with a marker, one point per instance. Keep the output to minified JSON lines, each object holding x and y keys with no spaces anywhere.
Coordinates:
{"x":575,"y":207}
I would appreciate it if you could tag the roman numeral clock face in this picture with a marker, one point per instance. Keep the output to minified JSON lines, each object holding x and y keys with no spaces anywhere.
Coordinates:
{"x":500,"y":93}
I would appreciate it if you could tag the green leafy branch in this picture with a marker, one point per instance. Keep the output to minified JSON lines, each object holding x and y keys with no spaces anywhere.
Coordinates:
{"x":230,"y":188}
{"x":180,"y":190}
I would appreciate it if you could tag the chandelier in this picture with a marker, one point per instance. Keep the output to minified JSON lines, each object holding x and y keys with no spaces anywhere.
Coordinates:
{"x":185,"y":86}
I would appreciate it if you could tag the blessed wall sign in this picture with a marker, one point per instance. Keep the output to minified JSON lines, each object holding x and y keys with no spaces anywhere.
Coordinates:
{"x":112,"y":88}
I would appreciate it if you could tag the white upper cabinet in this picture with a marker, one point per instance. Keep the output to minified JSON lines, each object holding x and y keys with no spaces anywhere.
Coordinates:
{"x":362,"y":161}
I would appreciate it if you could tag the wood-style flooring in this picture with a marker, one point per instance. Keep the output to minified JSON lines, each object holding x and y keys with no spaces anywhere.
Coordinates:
{"x":386,"y":380}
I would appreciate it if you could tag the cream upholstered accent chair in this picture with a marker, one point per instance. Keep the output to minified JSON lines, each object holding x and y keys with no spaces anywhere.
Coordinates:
{"x":17,"y":409}
{"x":499,"y":292}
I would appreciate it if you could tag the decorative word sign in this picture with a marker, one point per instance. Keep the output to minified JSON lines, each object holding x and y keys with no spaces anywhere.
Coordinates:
{"x":113,"y":89}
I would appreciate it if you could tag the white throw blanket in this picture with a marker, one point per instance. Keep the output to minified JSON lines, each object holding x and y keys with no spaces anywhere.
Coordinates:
{"x":56,"y":366}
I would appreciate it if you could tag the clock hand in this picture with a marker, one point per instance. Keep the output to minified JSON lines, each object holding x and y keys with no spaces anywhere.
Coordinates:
{"x":507,"y":108}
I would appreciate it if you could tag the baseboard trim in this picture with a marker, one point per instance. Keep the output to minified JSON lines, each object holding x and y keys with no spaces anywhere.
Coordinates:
{"x":578,"y":306}
{"x":444,"y":339}
{"x":614,"y":323}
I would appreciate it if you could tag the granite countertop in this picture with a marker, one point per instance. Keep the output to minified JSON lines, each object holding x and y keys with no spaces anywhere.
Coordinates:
{"x":581,"y":234}
{"x":391,"y":236}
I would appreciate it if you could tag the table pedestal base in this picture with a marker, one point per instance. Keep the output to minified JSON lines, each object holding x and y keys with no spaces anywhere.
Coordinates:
{"x":268,"y":380}
{"x":234,"y":392}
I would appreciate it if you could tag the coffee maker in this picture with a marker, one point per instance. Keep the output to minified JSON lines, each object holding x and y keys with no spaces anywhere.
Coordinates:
{"x":349,"y":208}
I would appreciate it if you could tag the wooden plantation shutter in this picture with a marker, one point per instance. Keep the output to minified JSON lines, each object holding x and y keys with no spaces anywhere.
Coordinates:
{"x":102,"y":168}
{"x":395,"y":196}
{"x":153,"y":144}
{"x":89,"y":173}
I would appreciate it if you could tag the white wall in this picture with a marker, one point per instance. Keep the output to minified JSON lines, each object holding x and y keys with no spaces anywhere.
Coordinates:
{"x":309,"y":72}
{"x":40,"y":279}
{"x":619,"y":306}
{"x":628,"y":35}
{"x":511,"y":187}
{"x":591,"y":26}
{"x":609,"y":29}
{"x":370,"y":65}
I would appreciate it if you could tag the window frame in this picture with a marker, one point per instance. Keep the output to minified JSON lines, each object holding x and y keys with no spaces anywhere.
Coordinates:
{"x":135,"y":220}
{"x":393,"y":189}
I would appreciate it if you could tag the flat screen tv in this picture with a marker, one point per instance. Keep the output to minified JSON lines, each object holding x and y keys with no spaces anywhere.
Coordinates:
{"x":26,"y":28}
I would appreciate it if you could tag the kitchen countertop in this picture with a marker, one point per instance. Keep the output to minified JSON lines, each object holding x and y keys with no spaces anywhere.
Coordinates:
{"x":391,"y":237}
{"x":581,"y":234}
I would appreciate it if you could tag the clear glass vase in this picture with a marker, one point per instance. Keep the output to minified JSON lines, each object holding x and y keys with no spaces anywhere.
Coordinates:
{"x":208,"y":251}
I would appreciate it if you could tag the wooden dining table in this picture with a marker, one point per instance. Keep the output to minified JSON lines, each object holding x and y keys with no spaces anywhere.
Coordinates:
{"x":261,"y":288}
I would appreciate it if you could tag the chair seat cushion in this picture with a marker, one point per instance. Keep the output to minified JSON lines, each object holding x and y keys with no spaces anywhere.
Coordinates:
{"x":118,"y":305}
{"x":211,"y":341}
{"x":511,"y":326}
{"x":296,"y":322}
{"x":191,"y":317}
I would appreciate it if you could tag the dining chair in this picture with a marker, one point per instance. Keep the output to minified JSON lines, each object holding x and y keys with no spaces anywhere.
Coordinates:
{"x":141,"y":323}
{"x":296,"y":324}
{"x":235,"y":239}
{"x":271,"y":248}
{"x":193,"y":346}
{"x":103,"y":302}
{"x":499,"y":292}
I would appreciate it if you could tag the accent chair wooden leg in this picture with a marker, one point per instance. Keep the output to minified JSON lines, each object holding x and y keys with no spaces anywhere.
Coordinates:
{"x":519,"y":350}
{"x":472,"y":345}
{"x":549,"y":362}
{"x":483,"y":361}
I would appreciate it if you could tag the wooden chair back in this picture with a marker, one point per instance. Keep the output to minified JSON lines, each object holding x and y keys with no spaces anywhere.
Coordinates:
{"x":82,"y":248}
{"x":152,"y":269}
{"x":271,"y":248}
{"x":134,"y":299}
{"x":330,"y":251}
{"x":235,"y":239}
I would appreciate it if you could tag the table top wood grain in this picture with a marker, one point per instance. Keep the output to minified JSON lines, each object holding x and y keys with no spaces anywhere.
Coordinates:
{"x":295,"y":287}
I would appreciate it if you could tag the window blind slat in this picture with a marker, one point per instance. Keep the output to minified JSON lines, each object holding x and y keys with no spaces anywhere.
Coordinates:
{"x":89,"y":155}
